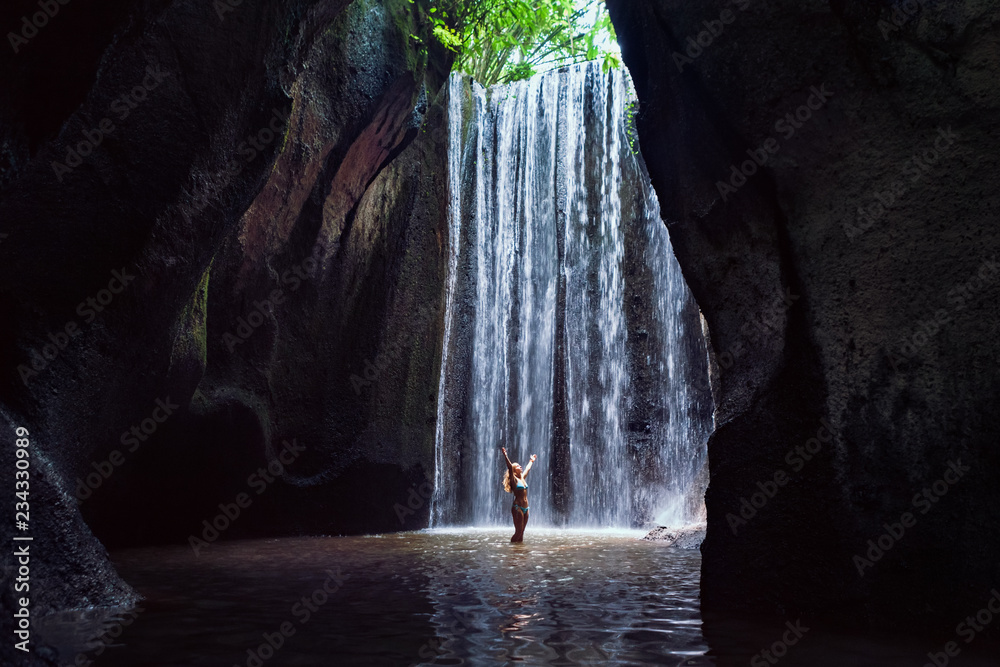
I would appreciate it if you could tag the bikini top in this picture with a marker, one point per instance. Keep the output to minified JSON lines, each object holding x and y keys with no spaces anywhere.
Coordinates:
{"x":519,"y":485}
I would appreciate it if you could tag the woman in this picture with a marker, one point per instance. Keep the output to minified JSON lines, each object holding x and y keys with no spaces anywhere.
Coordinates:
{"x":520,"y":490}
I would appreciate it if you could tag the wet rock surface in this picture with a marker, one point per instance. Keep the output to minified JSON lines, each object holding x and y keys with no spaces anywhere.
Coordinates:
{"x":683,"y":537}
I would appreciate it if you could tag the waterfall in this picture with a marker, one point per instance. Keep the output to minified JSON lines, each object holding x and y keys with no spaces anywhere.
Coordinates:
{"x":568,"y":326}
{"x":444,"y":494}
{"x":679,"y":357}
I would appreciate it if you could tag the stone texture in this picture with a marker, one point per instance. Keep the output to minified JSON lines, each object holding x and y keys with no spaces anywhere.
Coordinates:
{"x":273,"y":136}
{"x":685,"y":537}
{"x":820,"y":327}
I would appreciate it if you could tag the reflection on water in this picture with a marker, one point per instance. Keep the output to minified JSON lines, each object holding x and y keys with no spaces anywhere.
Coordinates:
{"x":561,"y":598}
{"x":78,"y":635}
{"x":458,"y":597}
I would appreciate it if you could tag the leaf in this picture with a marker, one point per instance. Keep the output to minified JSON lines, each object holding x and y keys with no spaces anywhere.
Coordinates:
{"x":508,"y":40}
{"x":448,"y":37}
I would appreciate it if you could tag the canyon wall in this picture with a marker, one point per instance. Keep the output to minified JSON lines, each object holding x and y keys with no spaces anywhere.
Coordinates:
{"x":222,"y":264}
{"x":827,"y":172}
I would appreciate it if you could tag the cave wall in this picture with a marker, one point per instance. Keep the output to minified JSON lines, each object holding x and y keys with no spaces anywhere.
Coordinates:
{"x":323,"y":305}
{"x":258,"y":232}
{"x":867,"y":336}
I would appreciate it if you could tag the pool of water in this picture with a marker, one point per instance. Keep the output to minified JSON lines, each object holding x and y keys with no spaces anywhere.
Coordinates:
{"x":459,"y":597}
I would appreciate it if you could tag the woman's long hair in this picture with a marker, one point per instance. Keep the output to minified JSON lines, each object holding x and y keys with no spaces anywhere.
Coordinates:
{"x":506,"y":481}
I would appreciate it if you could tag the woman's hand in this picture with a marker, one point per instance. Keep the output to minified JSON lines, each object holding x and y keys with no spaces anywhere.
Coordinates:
{"x":504,"y":450}
{"x":533,"y":457}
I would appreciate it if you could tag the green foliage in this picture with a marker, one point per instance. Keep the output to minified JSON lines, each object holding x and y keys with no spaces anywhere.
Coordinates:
{"x":191,"y":337}
{"x":631,"y":132}
{"x":499,"y":41}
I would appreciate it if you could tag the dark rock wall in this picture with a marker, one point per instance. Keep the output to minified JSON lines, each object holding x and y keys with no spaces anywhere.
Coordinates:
{"x":875,"y":335}
{"x":271,"y":206}
{"x":322,"y":311}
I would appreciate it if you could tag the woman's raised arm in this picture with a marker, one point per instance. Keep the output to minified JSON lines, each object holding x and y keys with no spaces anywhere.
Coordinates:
{"x":510,"y":466}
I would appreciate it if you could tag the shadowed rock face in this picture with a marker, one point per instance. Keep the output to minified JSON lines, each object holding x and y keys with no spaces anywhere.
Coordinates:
{"x":869,"y":338}
{"x":263,"y":239}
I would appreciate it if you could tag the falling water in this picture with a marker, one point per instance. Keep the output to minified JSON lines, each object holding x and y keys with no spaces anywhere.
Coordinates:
{"x":542,"y":353}
{"x":444,"y":495}
{"x":678,"y":357}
